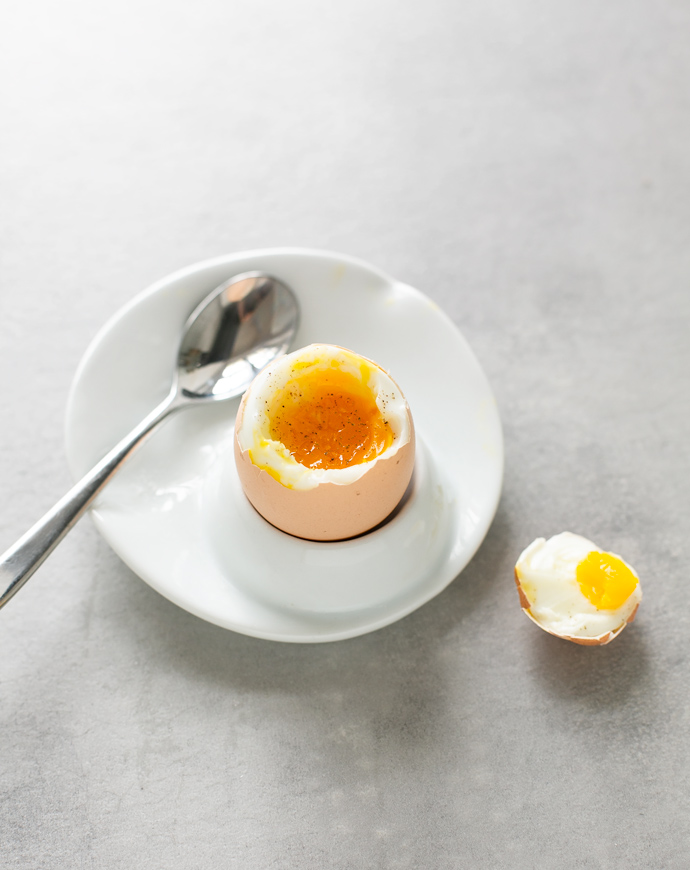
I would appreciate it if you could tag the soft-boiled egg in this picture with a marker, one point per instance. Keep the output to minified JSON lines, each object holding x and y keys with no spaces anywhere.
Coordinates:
{"x":324,"y":443}
{"x":572,"y":589}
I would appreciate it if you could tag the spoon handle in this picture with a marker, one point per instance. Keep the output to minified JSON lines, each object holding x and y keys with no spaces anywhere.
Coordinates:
{"x":21,"y":560}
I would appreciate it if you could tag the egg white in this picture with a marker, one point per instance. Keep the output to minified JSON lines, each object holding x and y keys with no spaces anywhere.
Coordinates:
{"x":254,"y":433}
{"x":546,"y":574}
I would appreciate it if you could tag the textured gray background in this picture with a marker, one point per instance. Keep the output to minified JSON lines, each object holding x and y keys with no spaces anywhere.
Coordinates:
{"x":527,"y":165}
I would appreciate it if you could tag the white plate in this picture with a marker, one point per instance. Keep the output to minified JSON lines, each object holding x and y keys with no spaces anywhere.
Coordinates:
{"x":174,"y":513}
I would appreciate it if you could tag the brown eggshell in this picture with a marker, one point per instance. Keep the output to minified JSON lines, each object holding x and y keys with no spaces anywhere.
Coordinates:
{"x":601,"y":640}
{"x":329,"y":511}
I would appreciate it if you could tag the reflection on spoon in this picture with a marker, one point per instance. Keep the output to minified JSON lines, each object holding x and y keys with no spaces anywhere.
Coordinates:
{"x":234,"y":333}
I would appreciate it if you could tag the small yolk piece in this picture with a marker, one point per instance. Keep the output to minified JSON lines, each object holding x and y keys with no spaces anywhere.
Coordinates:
{"x":605,"y":580}
{"x":329,"y":419}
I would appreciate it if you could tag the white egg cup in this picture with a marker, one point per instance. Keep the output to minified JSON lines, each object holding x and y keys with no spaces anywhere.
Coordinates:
{"x":361,"y":573}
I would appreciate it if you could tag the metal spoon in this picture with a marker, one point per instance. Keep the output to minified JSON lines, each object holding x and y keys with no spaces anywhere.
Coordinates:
{"x":228,"y":339}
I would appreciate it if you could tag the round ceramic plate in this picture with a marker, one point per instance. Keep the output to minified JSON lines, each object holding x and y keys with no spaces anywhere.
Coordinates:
{"x":175,"y":513}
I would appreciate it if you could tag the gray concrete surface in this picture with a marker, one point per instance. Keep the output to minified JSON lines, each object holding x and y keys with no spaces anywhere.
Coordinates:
{"x":525,"y":164}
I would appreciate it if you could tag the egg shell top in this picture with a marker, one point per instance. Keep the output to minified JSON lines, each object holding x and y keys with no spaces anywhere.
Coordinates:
{"x":545,"y":575}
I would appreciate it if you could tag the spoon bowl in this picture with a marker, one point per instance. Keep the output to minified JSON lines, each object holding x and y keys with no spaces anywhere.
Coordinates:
{"x":235,"y":332}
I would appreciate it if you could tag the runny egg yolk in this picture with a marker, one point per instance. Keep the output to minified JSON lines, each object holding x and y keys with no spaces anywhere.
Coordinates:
{"x":329,"y":419}
{"x":605,"y":580}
